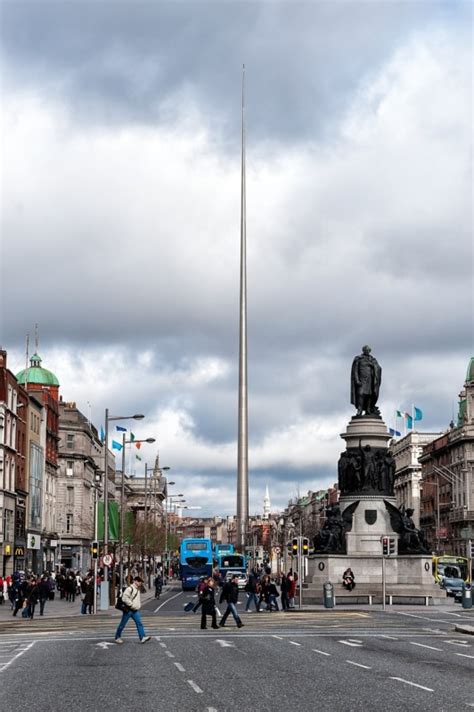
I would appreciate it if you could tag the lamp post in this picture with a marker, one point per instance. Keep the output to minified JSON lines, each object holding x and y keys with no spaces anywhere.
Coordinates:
{"x":104,"y":589}
{"x":97,"y":492}
{"x":173,"y":500}
{"x":122,"y":498}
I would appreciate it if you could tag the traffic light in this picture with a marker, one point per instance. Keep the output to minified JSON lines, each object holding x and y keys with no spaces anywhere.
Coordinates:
{"x":95,"y":549}
{"x":385,"y":545}
{"x":288,"y":547}
{"x":294,"y":546}
{"x":305,"y":547}
{"x":391,"y":545}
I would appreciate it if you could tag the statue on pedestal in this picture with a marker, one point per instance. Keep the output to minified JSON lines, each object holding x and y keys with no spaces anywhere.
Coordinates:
{"x":366,"y":377}
{"x":331,"y":539}
{"x":411,"y":539}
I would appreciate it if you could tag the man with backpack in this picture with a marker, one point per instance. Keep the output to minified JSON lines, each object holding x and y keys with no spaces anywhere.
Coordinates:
{"x":130,"y":607}
{"x":230,"y":594}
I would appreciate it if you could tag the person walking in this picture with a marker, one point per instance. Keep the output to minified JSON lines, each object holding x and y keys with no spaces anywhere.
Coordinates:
{"x":230,"y":594}
{"x":87,"y":594}
{"x":291,"y":589}
{"x":251,"y":588}
{"x":131,"y":599}
{"x":32,"y":597}
{"x":43,"y":593}
{"x":208,"y":604}
{"x":284,"y":588}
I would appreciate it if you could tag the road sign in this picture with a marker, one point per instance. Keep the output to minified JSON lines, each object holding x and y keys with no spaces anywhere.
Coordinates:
{"x":107,"y":558}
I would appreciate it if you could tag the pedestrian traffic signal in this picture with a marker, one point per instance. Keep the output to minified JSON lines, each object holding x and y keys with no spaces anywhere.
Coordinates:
{"x":294,"y":547}
{"x":95,"y":549}
{"x":305,"y":547}
{"x":388,"y":545}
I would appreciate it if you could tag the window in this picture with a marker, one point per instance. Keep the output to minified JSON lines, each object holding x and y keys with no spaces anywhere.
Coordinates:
{"x":68,"y":523}
{"x":7,"y":525}
{"x":69,"y":468}
{"x":20,"y":524}
{"x":70,"y":496}
{"x":70,"y":441}
{"x":36,"y":484}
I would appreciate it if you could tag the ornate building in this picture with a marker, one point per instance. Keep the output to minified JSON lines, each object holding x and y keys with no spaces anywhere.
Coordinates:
{"x":447,"y":499}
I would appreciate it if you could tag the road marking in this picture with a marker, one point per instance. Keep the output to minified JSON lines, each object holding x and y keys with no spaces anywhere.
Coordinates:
{"x":321,"y":652}
{"x":293,"y":643}
{"x":4,"y":666}
{"x":390,"y":637}
{"x":352,"y":643}
{"x":195,"y":687}
{"x":224,"y":643}
{"x":180,"y":667}
{"x":163,"y":645}
{"x":414,"y":684}
{"x":169,"y":654}
{"x":447,"y":613}
{"x":423,"y":618}
{"x":430,"y":647}
{"x":351,"y":662}
{"x":278,"y":637}
{"x":168,"y":600}
{"x":104,"y":645}
{"x":462,"y":643}
{"x":463,"y":655}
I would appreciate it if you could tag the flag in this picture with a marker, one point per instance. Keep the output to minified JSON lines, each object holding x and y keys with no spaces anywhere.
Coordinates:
{"x":116,"y":445}
{"x":102,"y":434}
{"x":418,"y":413}
{"x":400,"y":414}
{"x":132,"y":437}
{"x":137,"y":457}
{"x":409,"y":420}
{"x":120,"y":429}
{"x":138,"y":445}
{"x":395,"y":433}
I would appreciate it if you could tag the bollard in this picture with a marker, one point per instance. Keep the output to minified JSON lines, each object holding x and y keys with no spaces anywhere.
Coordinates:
{"x":328,"y":595}
{"x":466,"y":595}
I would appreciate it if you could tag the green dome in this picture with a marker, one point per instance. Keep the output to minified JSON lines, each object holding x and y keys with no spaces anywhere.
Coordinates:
{"x":470,"y":370}
{"x":37,"y":374}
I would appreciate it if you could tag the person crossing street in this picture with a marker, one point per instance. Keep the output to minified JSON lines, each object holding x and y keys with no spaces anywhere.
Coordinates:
{"x":230,"y":594}
{"x":132,"y":602}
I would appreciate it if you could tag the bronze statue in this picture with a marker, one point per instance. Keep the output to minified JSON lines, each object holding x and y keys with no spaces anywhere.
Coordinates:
{"x":411,"y":539}
{"x":331,"y":539}
{"x":366,"y":376}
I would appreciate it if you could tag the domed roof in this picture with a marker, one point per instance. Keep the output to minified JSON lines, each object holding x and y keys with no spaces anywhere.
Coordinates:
{"x":470,"y":370}
{"x":37,"y":374}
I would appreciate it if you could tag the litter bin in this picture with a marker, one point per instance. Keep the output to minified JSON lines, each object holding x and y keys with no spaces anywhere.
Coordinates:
{"x":466,"y":595}
{"x":328,"y":595}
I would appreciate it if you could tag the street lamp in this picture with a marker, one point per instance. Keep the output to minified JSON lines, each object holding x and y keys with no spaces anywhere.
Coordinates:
{"x":104,"y":589}
{"x":122,"y":498}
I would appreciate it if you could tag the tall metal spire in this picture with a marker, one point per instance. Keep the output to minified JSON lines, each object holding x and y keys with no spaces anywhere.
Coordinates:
{"x":242,"y":455}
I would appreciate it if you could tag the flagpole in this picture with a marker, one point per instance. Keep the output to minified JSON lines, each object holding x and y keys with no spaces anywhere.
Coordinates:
{"x":413,"y":417}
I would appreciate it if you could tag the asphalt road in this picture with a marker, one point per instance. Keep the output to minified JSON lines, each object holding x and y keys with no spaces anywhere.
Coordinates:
{"x":339,"y":660}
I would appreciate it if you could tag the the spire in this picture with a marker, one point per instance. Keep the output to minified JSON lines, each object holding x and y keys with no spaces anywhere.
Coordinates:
{"x":266,"y":504}
{"x":36,"y":338}
{"x":242,"y":443}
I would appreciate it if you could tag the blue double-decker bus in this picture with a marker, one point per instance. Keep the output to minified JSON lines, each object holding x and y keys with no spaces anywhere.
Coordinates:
{"x":195,"y":561}
{"x":223,"y":549}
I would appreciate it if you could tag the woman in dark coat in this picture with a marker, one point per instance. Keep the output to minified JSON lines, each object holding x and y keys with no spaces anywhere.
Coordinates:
{"x":208,"y":604}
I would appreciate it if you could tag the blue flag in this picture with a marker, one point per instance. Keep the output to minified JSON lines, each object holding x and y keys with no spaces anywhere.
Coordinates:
{"x":409,"y":420}
{"x":418,"y":414}
{"x":120,"y":429}
{"x":116,"y":445}
{"x":395,"y":433}
{"x":102,"y":434}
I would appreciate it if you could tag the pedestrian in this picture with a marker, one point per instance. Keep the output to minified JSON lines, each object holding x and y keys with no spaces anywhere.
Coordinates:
{"x":43,"y":593}
{"x":291,"y":589}
{"x":87,"y":594}
{"x":348,"y":579}
{"x":200,"y":589}
{"x":132,"y":602}
{"x":272,"y":595}
{"x":2,"y":596}
{"x":251,"y":588}
{"x":208,"y":604}
{"x":230,"y":594}
{"x":19,"y":593}
{"x":32,"y":598}
{"x":284,"y":588}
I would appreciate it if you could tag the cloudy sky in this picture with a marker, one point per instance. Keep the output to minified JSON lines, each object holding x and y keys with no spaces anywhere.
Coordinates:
{"x":120,"y":219}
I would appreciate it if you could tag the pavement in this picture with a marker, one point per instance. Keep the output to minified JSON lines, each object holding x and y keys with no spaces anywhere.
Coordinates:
{"x":406,"y":658}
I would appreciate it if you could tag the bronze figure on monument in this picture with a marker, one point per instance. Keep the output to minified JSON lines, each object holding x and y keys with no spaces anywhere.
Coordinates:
{"x":366,"y":377}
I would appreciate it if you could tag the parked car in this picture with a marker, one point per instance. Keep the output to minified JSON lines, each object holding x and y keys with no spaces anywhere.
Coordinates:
{"x":453,"y":587}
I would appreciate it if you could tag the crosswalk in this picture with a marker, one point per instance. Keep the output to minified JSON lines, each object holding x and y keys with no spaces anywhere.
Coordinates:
{"x":11,"y":651}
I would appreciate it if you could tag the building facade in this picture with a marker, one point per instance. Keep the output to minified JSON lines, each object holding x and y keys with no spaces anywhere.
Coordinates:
{"x":406,"y":452}
{"x":447,"y":498}
{"x":8,"y":464}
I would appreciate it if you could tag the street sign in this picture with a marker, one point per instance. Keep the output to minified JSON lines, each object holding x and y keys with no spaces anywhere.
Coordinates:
{"x":107,"y":559}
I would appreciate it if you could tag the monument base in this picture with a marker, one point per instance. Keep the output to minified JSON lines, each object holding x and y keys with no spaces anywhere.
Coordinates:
{"x":409,"y":579}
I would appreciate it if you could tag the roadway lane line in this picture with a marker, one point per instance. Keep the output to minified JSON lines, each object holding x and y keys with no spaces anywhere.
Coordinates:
{"x":278,"y":637}
{"x":195,"y":687}
{"x":351,"y":643}
{"x":413,"y":684}
{"x":423,"y":618}
{"x":321,"y":652}
{"x":462,"y":643}
{"x":351,"y":662}
{"x":180,"y":667}
{"x":430,"y":647}
{"x":463,"y":655}
{"x":167,"y":601}
{"x":169,"y":654}
{"x":163,"y":645}
{"x":4,"y":666}
{"x":390,"y":637}
{"x":293,"y":643}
